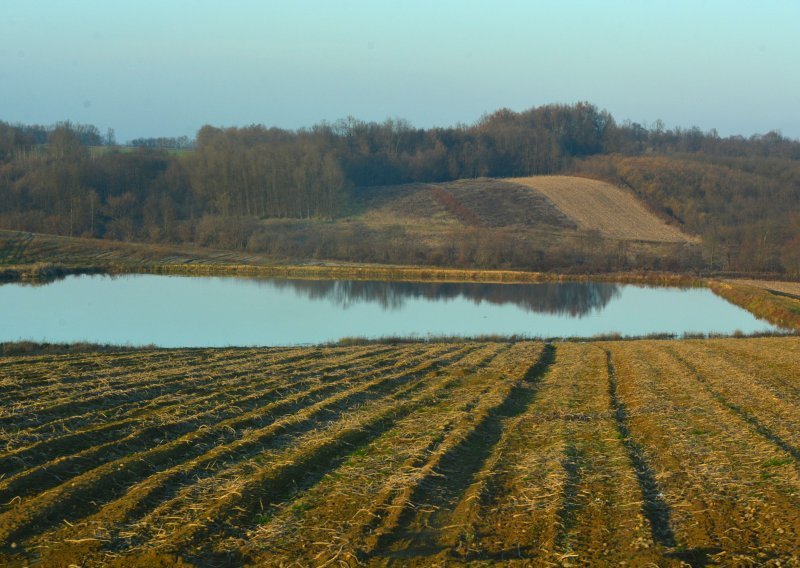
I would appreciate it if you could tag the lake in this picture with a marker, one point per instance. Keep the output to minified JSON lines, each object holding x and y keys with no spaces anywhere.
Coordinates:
{"x":178,"y":311}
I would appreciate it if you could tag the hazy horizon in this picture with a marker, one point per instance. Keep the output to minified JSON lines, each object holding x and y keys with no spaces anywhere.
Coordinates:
{"x":149,"y":69}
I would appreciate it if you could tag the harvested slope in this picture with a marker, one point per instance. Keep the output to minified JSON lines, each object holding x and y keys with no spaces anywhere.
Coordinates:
{"x":590,"y":226}
{"x":597,"y":205}
{"x":503,"y":203}
{"x":482,"y":202}
{"x":642,"y":452}
{"x":497,"y":223}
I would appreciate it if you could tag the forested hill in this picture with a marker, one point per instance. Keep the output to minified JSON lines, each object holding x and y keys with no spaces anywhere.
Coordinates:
{"x":742,"y":195}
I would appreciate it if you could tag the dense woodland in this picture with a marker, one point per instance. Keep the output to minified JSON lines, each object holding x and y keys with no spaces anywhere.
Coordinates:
{"x":741,"y":194}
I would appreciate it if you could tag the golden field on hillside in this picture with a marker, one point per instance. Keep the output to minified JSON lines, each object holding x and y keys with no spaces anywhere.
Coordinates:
{"x":611,"y":211}
{"x":555,"y":204}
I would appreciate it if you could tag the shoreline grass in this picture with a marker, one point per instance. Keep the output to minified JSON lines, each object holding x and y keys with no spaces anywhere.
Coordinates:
{"x":47,"y":272}
{"x":26,"y":347}
{"x":779,"y":309}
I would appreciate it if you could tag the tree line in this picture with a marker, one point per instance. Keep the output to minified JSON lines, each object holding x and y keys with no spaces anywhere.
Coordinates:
{"x":741,"y":193}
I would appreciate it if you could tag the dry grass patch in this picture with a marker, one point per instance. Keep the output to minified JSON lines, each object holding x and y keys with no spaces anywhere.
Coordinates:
{"x":790,"y":288}
{"x":776,"y":307}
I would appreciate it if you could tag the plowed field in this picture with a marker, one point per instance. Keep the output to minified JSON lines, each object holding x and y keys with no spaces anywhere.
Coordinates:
{"x":646,"y":452}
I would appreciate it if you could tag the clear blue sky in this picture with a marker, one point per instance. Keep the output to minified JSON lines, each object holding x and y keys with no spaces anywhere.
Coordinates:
{"x":152,"y":68}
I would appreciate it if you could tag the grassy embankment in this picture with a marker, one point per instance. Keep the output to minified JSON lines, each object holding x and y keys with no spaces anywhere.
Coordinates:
{"x":646,"y":452}
{"x":775,"y":306}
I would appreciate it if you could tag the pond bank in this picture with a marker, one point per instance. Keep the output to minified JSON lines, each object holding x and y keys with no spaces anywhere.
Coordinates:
{"x":45,"y":272}
{"x":779,"y":309}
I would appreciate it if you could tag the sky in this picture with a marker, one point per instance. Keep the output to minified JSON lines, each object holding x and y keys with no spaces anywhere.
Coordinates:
{"x":166,"y":67}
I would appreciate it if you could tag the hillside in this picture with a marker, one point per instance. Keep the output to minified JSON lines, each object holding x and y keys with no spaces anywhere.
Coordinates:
{"x":390,"y":193}
{"x":536,"y":223}
{"x":560,"y":204}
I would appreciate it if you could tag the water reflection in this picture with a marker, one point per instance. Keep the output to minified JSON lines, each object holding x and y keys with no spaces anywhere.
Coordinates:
{"x":210,"y":311}
{"x":563,"y":298}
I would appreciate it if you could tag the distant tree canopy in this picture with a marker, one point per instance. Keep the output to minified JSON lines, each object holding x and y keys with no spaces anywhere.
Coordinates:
{"x":162,"y":142}
{"x":742,"y":194}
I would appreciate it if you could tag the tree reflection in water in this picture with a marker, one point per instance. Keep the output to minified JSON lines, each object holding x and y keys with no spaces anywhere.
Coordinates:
{"x":561,"y":298}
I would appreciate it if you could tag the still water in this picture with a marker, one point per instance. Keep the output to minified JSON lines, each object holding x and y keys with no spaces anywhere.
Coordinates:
{"x":175,"y":311}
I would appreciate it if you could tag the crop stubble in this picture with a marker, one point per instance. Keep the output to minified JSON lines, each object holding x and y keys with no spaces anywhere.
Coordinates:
{"x":661,"y":452}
